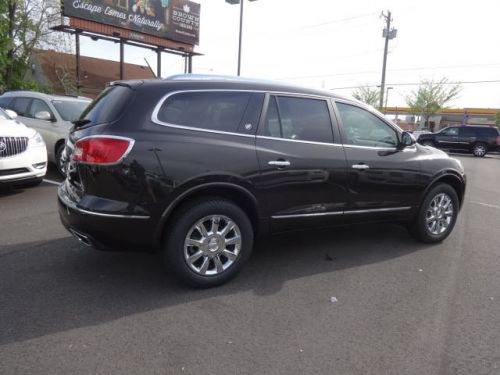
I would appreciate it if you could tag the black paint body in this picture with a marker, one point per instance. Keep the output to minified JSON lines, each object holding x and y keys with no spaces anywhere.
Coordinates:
{"x":131,"y":204}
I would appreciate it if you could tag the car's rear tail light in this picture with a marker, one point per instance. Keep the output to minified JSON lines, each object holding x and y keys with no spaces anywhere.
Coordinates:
{"x":102,"y":149}
{"x":498,"y":140}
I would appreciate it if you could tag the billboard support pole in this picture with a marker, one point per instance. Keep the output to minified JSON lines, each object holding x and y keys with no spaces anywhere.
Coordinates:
{"x":158,"y":63}
{"x":77,"y":55}
{"x":190,"y":63}
{"x":121,"y":58}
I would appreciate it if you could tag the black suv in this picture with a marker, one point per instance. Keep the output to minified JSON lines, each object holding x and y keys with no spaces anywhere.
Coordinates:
{"x":197,"y":167}
{"x":477,"y":139}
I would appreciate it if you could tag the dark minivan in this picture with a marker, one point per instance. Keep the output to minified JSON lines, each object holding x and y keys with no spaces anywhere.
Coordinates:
{"x":476,"y":139}
{"x":196,"y":167}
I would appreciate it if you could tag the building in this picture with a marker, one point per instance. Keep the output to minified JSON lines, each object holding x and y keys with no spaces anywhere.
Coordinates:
{"x":57,"y":71}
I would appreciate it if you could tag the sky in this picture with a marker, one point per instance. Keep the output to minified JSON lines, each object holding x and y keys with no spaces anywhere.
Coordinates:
{"x":339,"y":45}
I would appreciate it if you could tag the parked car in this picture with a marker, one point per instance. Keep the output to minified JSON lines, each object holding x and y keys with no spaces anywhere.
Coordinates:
{"x":417,"y":133}
{"x":476,"y":139}
{"x":23,"y":156}
{"x":50,"y":115}
{"x":197,"y":167}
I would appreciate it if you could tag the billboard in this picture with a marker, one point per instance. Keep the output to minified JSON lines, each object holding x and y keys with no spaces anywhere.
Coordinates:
{"x":177,"y":20}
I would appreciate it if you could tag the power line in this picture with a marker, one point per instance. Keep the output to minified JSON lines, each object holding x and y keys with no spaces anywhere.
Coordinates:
{"x":393,"y":70}
{"x":417,"y":83}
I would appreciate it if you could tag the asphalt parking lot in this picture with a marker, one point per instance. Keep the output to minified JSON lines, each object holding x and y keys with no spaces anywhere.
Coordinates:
{"x":358,"y":300}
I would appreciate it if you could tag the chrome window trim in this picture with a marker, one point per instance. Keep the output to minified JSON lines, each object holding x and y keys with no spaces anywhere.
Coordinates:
{"x":298,"y":141}
{"x":154,"y":115}
{"x":335,"y":213}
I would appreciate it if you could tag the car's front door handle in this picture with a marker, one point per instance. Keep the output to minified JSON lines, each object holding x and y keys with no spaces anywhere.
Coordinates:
{"x":361,"y":167}
{"x":279,"y":163}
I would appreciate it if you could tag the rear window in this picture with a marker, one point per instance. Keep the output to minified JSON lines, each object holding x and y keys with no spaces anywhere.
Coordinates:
{"x":222,"y":111}
{"x":108,"y":106}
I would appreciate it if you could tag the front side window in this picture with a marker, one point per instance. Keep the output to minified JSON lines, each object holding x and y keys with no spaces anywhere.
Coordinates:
{"x":221,"y":111}
{"x":362,"y":128}
{"x":300,"y":119}
{"x":21,"y":106}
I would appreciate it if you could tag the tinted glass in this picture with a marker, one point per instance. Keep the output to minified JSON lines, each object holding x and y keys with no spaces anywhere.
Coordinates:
{"x":467,"y":131}
{"x":221,"y":111}
{"x":361,"y":128}
{"x":70,"y":110}
{"x":4,"y":103}
{"x":298,"y":118}
{"x":38,"y":106}
{"x":449,"y":131}
{"x":21,"y":106}
{"x":108,"y":106}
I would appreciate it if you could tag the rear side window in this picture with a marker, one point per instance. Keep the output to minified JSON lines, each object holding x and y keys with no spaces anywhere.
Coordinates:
{"x":108,"y":106}
{"x":222,"y":111}
{"x":298,"y":118}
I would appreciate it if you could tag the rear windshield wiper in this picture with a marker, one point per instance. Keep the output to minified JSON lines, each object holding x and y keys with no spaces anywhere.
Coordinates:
{"x":79,"y":123}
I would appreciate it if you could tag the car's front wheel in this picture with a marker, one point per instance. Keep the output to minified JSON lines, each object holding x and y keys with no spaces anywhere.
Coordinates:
{"x":437,"y":214}
{"x":208,"y":243}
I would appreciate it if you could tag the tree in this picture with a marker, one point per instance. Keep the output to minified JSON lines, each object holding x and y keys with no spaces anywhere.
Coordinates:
{"x":367,"y":95}
{"x":431,"y":97}
{"x":24,"y":26}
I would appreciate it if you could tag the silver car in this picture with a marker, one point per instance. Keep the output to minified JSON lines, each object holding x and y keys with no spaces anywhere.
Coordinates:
{"x":50,"y":115}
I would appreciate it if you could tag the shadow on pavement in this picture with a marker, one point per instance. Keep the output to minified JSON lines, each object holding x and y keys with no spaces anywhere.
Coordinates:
{"x":58,"y":285}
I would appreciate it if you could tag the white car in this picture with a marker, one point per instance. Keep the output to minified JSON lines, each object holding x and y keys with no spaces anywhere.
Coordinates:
{"x":23,"y":155}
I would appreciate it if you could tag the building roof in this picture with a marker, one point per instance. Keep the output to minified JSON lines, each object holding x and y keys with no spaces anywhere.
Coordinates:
{"x":95,"y":73}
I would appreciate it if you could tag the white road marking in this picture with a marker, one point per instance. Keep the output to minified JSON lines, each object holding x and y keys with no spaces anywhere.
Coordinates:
{"x":51,"y":182}
{"x":486,"y":205}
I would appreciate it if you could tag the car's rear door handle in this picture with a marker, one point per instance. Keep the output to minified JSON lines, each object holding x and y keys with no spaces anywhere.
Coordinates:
{"x":279,"y":163}
{"x":360,"y":166}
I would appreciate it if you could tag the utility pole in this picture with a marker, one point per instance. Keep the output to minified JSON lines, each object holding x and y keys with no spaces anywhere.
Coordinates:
{"x":388,"y":34}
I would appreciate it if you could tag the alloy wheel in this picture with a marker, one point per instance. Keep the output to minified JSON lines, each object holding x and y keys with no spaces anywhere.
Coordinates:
{"x":479,"y":150}
{"x":439,"y":214}
{"x":212,"y":245}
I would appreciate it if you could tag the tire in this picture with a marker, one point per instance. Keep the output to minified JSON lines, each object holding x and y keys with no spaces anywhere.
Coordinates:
{"x":423,"y":229}
{"x":58,"y":158}
{"x":479,"y":149}
{"x":428,"y":143}
{"x":215,"y":258}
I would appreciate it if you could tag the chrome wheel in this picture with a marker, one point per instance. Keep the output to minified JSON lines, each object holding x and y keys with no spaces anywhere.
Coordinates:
{"x":439,"y":214}
{"x":212,"y":245}
{"x":479,"y":150}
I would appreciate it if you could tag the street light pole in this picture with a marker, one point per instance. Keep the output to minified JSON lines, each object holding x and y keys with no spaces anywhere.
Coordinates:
{"x":241,"y":36}
{"x":387,"y":97}
{"x":241,"y":29}
{"x":388,"y":34}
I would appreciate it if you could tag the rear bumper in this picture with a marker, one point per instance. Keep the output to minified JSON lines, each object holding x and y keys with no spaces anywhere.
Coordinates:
{"x":104,"y":230}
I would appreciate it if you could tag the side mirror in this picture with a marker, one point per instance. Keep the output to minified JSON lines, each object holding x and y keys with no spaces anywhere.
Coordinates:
{"x":407,"y":140}
{"x":11,"y":113}
{"x":43,"y":115}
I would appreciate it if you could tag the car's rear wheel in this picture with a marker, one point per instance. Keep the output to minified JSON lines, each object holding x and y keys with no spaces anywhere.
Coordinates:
{"x":208,"y":243}
{"x":437,"y":214}
{"x":479,"y":149}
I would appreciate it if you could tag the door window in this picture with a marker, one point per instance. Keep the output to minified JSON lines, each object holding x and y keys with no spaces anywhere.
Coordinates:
{"x":38,"y":106}
{"x":299,"y":119}
{"x":21,"y":106}
{"x":450,"y":132}
{"x":222,"y":111}
{"x":361,"y":128}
